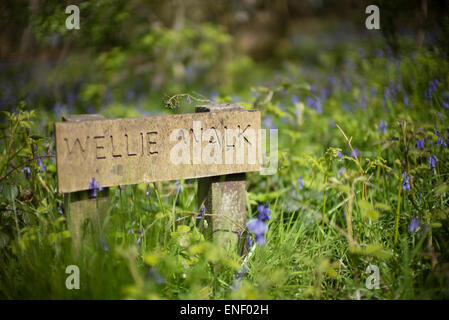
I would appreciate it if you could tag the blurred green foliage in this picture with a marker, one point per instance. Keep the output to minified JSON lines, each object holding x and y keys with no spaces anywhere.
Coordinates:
{"x":339,"y":201}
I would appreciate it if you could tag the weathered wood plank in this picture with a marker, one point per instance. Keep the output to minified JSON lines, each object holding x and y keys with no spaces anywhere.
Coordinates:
{"x":139,"y":150}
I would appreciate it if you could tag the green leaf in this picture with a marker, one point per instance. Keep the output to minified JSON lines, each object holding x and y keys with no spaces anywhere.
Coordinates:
{"x":11,"y":192}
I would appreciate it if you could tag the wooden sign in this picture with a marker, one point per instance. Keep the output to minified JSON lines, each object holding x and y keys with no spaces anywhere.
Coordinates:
{"x":157,"y":148}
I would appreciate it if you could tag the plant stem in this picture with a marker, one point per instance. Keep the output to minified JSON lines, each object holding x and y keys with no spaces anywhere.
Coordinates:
{"x":396,"y":227}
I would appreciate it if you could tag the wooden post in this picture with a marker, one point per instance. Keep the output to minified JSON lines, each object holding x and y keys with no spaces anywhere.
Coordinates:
{"x":79,"y":206}
{"x":224,"y":197}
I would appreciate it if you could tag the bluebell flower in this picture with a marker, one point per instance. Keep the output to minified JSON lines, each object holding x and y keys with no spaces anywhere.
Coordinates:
{"x":294,"y":99}
{"x":339,"y":154}
{"x":414,"y":225}
{"x":139,"y":239}
{"x":178,"y":186}
{"x":354,"y":154}
{"x":407,"y":103}
{"x":259,"y":229}
{"x":258,"y":226}
{"x":440,"y":140}
{"x":445,"y":105}
{"x":300,"y":183}
{"x":432,"y":161}
{"x":27,"y":172}
{"x":315,"y":103}
{"x":433,"y":87}
{"x":202,"y":211}
{"x":340,"y":170}
{"x":60,"y":209}
{"x":93,"y":186}
{"x":405,"y":182}
{"x":153,"y":273}
{"x":264,"y":213}
{"x":268,"y":122}
{"x":40,"y":163}
{"x":419,"y":144}
{"x":148,"y":190}
{"x":382,"y":127}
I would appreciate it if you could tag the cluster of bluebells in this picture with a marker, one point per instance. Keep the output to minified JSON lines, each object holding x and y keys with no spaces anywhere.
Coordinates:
{"x":202,"y":212}
{"x":93,"y":186}
{"x":178,"y":186}
{"x":258,"y":226}
{"x":405,"y":181}
{"x":440,"y":140}
{"x":382,"y":127}
{"x":432,"y":161}
{"x":354,"y":154}
{"x":433,"y":87}
{"x":27,"y":172}
{"x":39,"y":160}
{"x":300,"y":183}
{"x":420,"y":144}
{"x":414,"y":225}
{"x":139,"y":238}
{"x":315,"y":103}
{"x":407,"y":102}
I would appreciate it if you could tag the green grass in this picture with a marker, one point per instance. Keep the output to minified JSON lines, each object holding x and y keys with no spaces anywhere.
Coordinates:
{"x":321,"y":238}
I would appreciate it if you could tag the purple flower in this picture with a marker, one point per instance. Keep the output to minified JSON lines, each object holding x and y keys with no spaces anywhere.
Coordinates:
{"x":27,"y":172}
{"x":339,"y":154}
{"x":414,"y":225}
{"x":258,"y":226}
{"x":153,"y":273}
{"x":354,"y":154}
{"x":139,"y":239}
{"x":340,"y":170}
{"x":202,"y":211}
{"x":294,"y":99}
{"x":259,"y":229}
{"x":419,"y":144}
{"x":382,"y":127}
{"x":264,"y":213}
{"x":148,"y":190}
{"x":178,"y":186}
{"x":93,"y":186}
{"x":406,"y":181}
{"x":60,"y":209}
{"x":300,"y":182}
{"x":433,"y":86}
{"x":440,"y":140}
{"x":268,"y":122}
{"x":407,"y":102}
{"x":432,"y":161}
{"x":315,"y":103}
